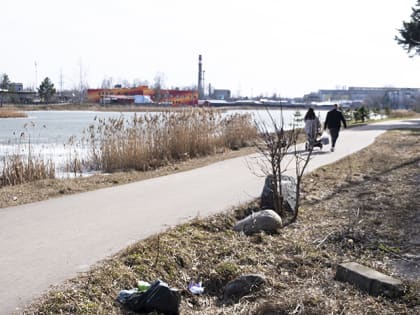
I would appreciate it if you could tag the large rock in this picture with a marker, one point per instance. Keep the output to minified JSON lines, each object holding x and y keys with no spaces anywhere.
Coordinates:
{"x":288,"y":188}
{"x":264,"y":220}
{"x":242,"y":286}
{"x":369,"y":280}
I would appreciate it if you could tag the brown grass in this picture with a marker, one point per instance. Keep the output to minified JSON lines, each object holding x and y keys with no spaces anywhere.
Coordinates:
{"x":299,"y":263}
{"x":11,"y":113}
{"x":16,"y":170}
{"x":400,"y":113}
{"x":150,"y":141}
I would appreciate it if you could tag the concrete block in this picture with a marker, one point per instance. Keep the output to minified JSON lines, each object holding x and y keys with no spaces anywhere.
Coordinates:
{"x":369,"y":280}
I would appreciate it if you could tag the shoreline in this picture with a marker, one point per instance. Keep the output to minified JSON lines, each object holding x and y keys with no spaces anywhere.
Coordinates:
{"x":145,"y":108}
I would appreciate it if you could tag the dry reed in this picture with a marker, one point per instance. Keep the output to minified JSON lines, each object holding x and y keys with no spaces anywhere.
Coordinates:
{"x":152,"y":140}
{"x":11,"y":113}
{"x":17,"y":169}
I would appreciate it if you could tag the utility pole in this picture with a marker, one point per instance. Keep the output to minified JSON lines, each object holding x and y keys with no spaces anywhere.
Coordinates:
{"x":81,"y":82}
{"x":36,"y":76}
{"x":61,"y":82}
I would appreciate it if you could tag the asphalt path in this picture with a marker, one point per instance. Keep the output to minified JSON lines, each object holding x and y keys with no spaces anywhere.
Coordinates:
{"x":44,"y":243}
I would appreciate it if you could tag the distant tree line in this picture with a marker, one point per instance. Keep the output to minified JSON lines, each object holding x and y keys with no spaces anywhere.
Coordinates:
{"x":46,"y":90}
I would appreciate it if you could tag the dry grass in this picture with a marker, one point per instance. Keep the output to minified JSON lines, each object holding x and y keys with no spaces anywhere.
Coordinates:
{"x":381,"y":181}
{"x":11,"y":113}
{"x":16,"y":170}
{"x":150,"y":141}
{"x":401,"y":113}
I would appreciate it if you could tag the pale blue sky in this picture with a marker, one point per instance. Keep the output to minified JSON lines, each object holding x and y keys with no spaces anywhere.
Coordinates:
{"x":289,"y":47}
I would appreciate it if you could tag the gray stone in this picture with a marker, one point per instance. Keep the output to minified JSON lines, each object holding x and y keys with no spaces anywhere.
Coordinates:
{"x":371,"y":281}
{"x":264,"y":220}
{"x":242,"y":286}
{"x":288,"y":188}
{"x":267,"y":193}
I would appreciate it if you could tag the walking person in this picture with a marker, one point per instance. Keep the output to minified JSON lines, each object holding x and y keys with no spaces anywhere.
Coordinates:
{"x":333,"y":123}
{"x":312,"y":127}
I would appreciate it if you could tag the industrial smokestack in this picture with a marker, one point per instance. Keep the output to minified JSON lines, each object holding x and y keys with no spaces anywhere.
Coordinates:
{"x":200,"y":78}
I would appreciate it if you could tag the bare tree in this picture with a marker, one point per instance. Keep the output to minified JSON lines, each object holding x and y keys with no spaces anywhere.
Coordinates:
{"x":139,"y":82}
{"x":83,"y":86}
{"x":125,"y":83}
{"x":377,"y":101}
{"x":279,"y":150}
{"x":301,"y":162}
{"x":416,"y":103}
{"x":158,"y":85}
{"x":107,"y":83}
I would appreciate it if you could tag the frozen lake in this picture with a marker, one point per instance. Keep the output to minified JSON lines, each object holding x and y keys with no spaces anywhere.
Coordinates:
{"x":56,"y":135}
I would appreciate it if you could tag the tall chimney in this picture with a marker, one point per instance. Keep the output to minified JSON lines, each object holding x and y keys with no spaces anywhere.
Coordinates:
{"x":200,"y":78}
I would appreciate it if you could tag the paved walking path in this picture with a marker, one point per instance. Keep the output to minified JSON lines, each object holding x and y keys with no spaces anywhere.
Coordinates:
{"x":44,"y":243}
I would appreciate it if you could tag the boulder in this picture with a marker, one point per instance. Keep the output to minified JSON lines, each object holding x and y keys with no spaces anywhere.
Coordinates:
{"x":264,"y":220}
{"x":242,"y":286}
{"x":288,"y":188}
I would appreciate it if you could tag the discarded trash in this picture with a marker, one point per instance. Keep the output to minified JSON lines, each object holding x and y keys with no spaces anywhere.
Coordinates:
{"x":143,"y":286}
{"x":125,"y":294}
{"x":159,"y":297}
{"x":196,"y":288}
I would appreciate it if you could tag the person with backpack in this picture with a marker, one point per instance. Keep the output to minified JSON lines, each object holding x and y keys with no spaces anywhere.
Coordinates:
{"x":333,"y":124}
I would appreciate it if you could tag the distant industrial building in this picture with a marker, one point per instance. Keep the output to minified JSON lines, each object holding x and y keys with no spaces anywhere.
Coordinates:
{"x":16,"y":95}
{"x":220,"y":94}
{"x":15,"y":87}
{"x":386,"y":96}
{"x":200,"y":85}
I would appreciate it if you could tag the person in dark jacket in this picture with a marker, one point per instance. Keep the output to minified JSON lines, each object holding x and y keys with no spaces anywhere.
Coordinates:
{"x":333,"y":123}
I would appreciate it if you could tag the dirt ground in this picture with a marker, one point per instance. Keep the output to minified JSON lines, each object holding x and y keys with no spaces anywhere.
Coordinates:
{"x":363,"y":208}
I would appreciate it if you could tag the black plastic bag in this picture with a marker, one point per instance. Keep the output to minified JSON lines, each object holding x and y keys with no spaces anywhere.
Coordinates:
{"x":159,"y":297}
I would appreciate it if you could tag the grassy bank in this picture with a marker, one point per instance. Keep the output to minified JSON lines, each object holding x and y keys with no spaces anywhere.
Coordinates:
{"x":362,"y":208}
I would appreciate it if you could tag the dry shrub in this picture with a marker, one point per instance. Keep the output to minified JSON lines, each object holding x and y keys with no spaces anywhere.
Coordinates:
{"x":18,"y":170}
{"x":152,"y":140}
